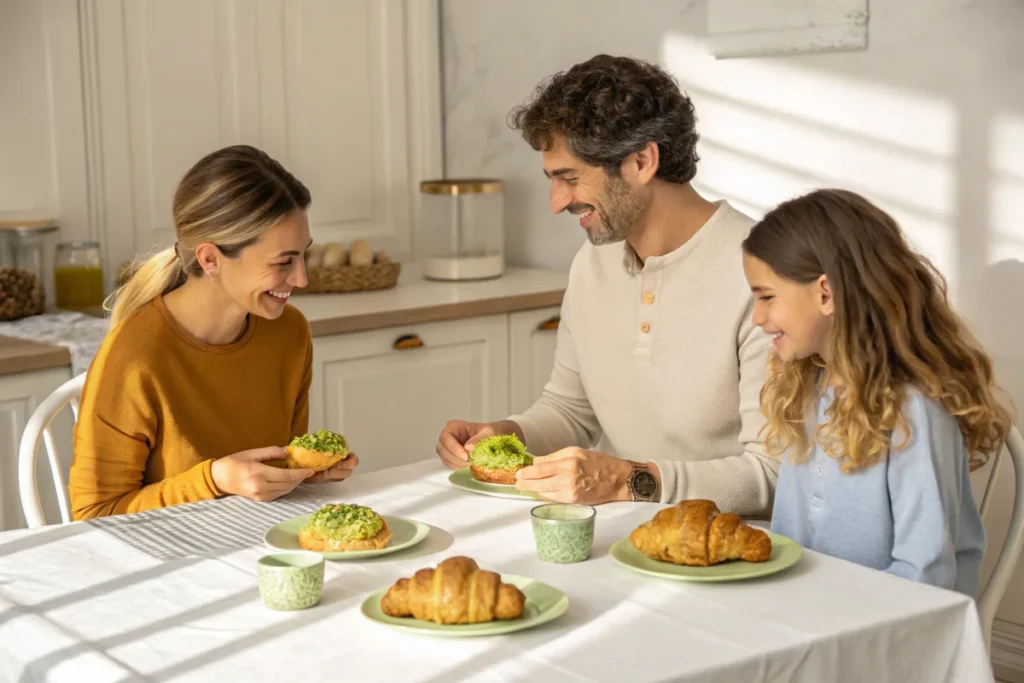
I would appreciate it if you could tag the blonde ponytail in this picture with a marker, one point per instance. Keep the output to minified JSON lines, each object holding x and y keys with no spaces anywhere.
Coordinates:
{"x":154,"y":276}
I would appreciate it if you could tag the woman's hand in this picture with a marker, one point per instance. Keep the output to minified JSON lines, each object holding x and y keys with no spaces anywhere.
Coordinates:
{"x":339,"y":471}
{"x":244,"y":474}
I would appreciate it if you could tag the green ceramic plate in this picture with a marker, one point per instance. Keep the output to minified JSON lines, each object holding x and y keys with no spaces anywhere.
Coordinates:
{"x":405,"y":533}
{"x":543,"y":604}
{"x":464,"y":480}
{"x":785,"y":553}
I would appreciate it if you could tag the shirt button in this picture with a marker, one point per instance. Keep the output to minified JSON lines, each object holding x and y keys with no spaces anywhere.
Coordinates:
{"x":648,"y":298}
{"x":820,"y":469}
{"x":645,"y":328}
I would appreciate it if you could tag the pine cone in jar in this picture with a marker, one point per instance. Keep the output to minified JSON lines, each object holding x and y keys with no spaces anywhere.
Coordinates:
{"x":21,"y":294}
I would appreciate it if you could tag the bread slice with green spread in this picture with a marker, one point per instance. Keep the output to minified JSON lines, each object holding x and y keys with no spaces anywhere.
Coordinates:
{"x":339,"y":527}
{"x":496,"y":459}
{"x":318,"y":451}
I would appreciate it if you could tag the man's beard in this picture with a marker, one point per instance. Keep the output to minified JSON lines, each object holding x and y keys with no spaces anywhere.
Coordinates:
{"x":619,"y":213}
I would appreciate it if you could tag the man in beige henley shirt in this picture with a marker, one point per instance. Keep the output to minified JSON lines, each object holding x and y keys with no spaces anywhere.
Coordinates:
{"x":654,"y":394}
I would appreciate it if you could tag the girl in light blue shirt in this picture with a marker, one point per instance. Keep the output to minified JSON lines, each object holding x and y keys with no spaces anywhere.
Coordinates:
{"x":878,"y":399}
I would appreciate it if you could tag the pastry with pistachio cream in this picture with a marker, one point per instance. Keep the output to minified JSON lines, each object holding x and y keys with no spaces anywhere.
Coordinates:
{"x":318,"y":451}
{"x":339,"y":526}
{"x":496,"y":459}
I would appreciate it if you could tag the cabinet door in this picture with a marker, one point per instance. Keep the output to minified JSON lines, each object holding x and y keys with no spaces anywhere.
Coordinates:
{"x":333,"y":90}
{"x":172,"y":81}
{"x":19,"y":396}
{"x":335,"y":113}
{"x":531,"y":354}
{"x":392,"y":403}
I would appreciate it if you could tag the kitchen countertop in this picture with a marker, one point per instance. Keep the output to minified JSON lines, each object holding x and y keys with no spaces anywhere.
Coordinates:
{"x":22,"y":355}
{"x":413,"y":300}
{"x":416,"y":300}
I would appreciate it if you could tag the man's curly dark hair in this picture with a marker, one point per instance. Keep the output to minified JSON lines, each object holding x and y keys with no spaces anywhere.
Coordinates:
{"x":609,"y":107}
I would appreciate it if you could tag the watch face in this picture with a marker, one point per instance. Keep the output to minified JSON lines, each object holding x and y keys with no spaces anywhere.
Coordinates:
{"x":644,"y":484}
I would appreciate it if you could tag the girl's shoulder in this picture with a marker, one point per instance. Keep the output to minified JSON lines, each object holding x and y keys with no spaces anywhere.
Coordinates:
{"x":928,"y":420}
{"x":921,"y":405}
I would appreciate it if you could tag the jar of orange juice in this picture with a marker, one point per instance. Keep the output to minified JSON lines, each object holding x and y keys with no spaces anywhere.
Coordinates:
{"x":78,"y":276}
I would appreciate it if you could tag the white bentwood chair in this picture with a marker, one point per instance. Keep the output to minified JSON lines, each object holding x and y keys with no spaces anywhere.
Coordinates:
{"x":38,"y":427}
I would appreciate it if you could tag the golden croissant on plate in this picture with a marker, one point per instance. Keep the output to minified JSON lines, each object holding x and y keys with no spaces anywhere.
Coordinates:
{"x":456,"y":592}
{"x":695,"y":532}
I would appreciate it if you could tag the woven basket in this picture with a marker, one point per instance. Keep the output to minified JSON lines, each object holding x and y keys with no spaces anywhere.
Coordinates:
{"x":324,"y":279}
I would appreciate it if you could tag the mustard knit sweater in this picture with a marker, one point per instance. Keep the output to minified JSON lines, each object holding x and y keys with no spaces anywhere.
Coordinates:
{"x":159,"y":406}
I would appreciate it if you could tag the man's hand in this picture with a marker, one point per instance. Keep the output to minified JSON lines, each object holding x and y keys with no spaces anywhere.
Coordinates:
{"x":573,"y":475}
{"x":458,"y":438}
{"x":339,"y":471}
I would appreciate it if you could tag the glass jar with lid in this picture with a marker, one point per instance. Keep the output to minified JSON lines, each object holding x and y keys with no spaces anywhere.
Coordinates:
{"x":464,"y":228}
{"x":78,"y":276}
{"x":22,"y":243}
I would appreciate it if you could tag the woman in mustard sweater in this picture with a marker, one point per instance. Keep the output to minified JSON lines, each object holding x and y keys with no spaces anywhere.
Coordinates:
{"x":205,"y":372}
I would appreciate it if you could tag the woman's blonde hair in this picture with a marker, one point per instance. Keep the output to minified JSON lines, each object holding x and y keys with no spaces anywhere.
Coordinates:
{"x":229,"y":198}
{"x":893,"y":329}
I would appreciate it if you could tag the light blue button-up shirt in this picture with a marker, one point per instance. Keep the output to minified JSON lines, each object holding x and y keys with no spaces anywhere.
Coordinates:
{"x":913,"y":514}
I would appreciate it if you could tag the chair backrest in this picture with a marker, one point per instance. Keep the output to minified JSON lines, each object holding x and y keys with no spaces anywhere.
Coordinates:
{"x":38,"y":427}
{"x":992,"y":595}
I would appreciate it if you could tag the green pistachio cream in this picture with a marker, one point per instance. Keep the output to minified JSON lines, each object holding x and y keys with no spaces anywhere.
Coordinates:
{"x":322,"y":441}
{"x":343,"y":522}
{"x":501,"y":452}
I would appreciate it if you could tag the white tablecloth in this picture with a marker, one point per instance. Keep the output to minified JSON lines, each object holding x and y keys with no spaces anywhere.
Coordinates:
{"x":81,"y":603}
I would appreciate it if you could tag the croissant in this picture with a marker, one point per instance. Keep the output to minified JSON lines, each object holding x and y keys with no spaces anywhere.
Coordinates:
{"x":695,"y":532}
{"x":456,"y":592}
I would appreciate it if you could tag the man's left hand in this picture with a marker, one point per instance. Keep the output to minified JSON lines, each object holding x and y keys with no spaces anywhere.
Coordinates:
{"x":573,"y":475}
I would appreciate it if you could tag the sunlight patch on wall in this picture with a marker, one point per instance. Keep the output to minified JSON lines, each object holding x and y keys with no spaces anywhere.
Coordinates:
{"x":771,"y":129}
{"x":904,"y":119}
{"x":824,"y":155}
{"x":754,"y":185}
{"x":1006,"y":146}
{"x":1006,"y":188}
{"x":741,"y":178}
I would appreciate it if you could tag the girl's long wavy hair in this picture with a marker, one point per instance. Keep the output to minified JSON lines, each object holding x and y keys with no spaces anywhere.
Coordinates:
{"x":893,"y":329}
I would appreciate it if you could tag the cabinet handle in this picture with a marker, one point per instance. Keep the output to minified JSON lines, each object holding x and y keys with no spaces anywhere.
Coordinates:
{"x":407,"y":341}
{"x":550,"y":324}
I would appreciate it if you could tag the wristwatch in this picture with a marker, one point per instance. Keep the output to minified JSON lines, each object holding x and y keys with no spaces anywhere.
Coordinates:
{"x":642,"y":484}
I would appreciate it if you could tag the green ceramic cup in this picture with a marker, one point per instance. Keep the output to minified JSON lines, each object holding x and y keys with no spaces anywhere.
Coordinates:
{"x":563,"y":532}
{"x":290,"y":581}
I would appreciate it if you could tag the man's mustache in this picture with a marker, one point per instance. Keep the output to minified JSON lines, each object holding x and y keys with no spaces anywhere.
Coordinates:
{"x":576,"y":209}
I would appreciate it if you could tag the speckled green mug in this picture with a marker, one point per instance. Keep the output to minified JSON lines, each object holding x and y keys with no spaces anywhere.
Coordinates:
{"x":291,"y":580}
{"x":563,"y":532}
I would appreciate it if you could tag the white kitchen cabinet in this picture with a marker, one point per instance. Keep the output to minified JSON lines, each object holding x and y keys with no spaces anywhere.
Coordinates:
{"x":532,"y":337}
{"x":345,"y":94}
{"x":19,"y":395}
{"x":392,"y":403}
